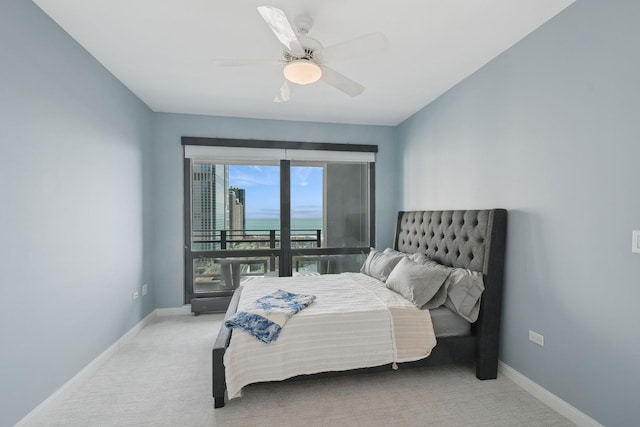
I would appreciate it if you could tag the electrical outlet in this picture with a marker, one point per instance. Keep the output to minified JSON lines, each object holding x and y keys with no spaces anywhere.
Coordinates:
{"x":136,"y":294}
{"x":145,"y":289}
{"x":536,"y":338}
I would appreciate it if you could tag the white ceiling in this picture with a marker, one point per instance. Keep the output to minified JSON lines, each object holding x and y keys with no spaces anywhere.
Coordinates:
{"x":164,"y":51}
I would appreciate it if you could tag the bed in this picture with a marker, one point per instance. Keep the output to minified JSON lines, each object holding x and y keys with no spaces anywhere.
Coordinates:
{"x":470,"y":240}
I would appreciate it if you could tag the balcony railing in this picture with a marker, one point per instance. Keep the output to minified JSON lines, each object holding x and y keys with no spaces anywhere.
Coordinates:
{"x":252,"y":239}
{"x":221,"y":274}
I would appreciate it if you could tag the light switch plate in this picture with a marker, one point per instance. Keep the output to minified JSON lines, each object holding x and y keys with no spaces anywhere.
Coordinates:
{"x":635,"y":241}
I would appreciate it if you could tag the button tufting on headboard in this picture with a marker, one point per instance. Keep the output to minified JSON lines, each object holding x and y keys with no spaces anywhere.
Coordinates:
{"x":455,"y":238}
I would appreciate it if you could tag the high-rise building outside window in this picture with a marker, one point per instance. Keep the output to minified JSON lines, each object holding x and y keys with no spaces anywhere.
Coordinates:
{"x":237,"y":214}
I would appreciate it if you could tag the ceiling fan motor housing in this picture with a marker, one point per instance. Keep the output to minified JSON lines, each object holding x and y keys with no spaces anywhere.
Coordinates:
{"x":310,"y":47}
{"x":308,"y":55}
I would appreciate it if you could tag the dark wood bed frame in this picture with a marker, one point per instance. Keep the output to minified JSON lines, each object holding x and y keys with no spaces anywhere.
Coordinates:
{"x":473,"y":239}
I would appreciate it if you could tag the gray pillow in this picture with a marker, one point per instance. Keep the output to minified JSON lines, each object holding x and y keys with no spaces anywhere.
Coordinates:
{"x":464,"y":289}
{"x":379,"y":265}
{"x":422,"y":259}
{"x":420,"y":284}
{"x":417,"y":256}
{"x":391,"y":251}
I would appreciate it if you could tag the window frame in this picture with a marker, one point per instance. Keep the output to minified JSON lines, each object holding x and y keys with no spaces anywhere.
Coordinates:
{"x":284,"y":253}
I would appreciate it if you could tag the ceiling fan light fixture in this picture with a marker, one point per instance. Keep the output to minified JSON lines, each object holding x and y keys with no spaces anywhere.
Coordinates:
{"x":302,"y":72}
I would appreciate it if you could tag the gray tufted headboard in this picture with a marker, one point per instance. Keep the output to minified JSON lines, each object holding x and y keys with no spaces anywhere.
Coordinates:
{"x":454,"y":238}
{"x":473,"y":239}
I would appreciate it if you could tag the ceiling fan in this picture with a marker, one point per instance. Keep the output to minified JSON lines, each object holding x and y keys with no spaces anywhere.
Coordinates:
{"x":305,"y":60}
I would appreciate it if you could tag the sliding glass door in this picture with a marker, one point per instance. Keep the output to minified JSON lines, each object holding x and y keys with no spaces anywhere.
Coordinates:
{"x":332,"y":198}
{"x":234,"y":210}
{"x":246,"y":218}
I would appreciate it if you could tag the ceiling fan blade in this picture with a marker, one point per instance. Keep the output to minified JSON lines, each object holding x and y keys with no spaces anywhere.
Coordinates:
{"x":279,"y":24}
{"x":340,"y":82}
{"x":244,"y":62}
{"x":285,"y":92}
{"x":363,"y":45}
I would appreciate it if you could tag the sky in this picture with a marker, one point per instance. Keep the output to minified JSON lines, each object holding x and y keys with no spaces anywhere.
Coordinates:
{"x":262,"y":190}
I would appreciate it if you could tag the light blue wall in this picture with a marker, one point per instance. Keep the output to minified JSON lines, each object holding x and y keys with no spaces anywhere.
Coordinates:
{"x":168,"y":181}
{"x":91,"y":199}
{"x":550,"y":130}
{"x":73,"y":220}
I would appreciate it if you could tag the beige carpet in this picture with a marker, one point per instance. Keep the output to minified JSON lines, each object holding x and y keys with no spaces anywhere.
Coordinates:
{"x":163,"y":378}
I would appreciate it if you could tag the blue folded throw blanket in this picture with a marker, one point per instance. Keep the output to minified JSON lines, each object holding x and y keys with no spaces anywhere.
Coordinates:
{"x":265,"y":317}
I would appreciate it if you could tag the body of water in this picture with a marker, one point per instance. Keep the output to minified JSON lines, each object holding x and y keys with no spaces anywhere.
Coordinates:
{"x":274,"y":224}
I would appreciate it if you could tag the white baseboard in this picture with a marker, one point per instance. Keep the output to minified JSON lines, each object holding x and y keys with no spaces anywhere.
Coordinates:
{"x":545,"y":396}
{"x":76,"y":380}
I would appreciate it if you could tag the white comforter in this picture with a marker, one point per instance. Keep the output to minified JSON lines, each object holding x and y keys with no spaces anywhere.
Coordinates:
{"x":355,"y":322}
